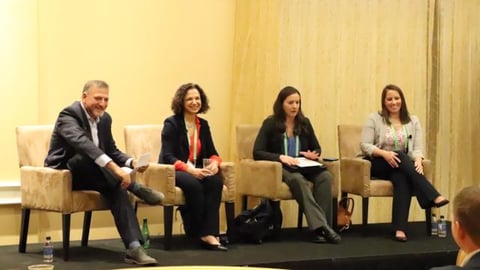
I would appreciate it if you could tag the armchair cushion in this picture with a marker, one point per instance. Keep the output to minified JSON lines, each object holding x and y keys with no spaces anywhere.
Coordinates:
{"x":32,"y":144}
{"x":268,"y":182}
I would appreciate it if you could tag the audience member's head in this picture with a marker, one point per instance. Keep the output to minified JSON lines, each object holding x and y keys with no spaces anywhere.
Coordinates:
{"x":466,"y":218}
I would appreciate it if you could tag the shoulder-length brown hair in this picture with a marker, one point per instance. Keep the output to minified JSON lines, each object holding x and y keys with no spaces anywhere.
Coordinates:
{"x":404,"y":115}
{"x":279,"y":114}
{"x":178,"y":98}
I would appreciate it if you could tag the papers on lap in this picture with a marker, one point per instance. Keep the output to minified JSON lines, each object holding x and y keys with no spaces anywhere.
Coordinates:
{"x":143,"y":160}
{"x":305,"y":162}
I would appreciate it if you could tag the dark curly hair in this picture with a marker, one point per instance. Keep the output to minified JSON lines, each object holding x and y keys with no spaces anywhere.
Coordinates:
{"x":177,"y":101}
{"x":404,"y":115}
{"x":279,"y":113}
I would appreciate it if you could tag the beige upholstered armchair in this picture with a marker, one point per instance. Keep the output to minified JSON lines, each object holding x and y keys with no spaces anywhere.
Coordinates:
{"x":49,"y":189}
{"x":355,"y":172}
{"x":263,"y":179}
{"x":140,"y":139}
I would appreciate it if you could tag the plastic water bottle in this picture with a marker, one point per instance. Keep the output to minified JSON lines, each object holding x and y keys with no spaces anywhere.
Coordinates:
{"x":145,"y":234}
{"x":48,"y":250}
{"x":442,"y":227}
{"x":434,"y":230}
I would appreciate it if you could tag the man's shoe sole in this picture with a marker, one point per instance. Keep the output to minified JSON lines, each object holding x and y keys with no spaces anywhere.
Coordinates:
{"x":319,"y":240}
{"x":132,"y":261}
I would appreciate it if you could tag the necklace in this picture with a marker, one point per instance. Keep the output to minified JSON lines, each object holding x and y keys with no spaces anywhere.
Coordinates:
{"x":190,"y":125}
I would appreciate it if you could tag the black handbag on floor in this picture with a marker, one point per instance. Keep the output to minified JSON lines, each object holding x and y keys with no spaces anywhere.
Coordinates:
{"x":257,"y":224}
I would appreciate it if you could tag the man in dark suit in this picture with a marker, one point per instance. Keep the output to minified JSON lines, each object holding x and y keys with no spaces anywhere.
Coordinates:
{"x":82,"y":142}
{"x":466,"y":227}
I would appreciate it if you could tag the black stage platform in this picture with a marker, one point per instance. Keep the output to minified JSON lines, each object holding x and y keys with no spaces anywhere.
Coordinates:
{"x":292,"y":250}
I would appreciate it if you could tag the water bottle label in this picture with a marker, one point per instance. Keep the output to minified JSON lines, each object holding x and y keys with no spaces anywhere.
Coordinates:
{"x":146,"y":245}
{"x":48,"y":254}
{"x":442,"y":229}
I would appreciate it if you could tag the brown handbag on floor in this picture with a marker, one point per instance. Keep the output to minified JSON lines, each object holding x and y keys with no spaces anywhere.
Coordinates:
{"x":344,"y":213}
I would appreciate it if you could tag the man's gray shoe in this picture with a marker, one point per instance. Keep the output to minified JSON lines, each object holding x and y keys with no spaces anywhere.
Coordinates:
{"x":138,"y":256}
{"x":149,"y":195}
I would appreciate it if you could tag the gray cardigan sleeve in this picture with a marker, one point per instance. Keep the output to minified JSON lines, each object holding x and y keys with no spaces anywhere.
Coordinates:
{"x":370,"y":138}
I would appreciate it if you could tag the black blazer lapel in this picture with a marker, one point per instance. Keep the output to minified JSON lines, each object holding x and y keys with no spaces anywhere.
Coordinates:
{"x":83,"y":119}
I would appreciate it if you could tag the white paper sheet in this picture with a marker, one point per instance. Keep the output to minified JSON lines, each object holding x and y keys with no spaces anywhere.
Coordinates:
{"x":305,"y":162}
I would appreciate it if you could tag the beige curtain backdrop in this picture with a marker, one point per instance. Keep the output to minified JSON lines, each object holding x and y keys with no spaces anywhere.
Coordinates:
{"x":454,"y":94}
{"x":340,"y":54}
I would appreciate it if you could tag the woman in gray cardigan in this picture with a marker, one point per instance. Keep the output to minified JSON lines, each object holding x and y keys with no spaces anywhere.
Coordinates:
{"x":392,"y":140}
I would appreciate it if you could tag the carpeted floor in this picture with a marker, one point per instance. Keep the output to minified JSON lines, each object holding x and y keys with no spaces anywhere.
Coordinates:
{"x":291,"y":250}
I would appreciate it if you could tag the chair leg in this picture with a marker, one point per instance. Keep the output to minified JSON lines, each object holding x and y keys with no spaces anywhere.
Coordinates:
{"x":275,"y":204}
{"x":428,"y":220}
{"x":87,"y":219}
{"x":66,"y":236}
{"x":364,"y":214}
{"x":22,"y":244}
{"x":230,"y":215}
{"x":334,"y":212}
{"x":244,"y":202}
{"x":168,"y":219}
{"x":300,"y":218}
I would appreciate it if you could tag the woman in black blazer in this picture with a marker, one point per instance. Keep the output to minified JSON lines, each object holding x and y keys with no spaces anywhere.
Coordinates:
{"x":286,"y":135}
{"x":186,"y":142}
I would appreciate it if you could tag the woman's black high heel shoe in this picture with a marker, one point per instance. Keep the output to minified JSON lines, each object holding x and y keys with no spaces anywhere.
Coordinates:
{"x":441,"y":203}
{"x":214,"y":247}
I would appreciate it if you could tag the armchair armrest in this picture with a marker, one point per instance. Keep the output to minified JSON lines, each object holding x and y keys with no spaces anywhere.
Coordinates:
{"x":46,"y":188}
{"x":355,"y":175}
{"x":334,"y":168}
{"x":428,"y":170}
{"x":260,"y":178}
{"x":160,"y":177}
{"x":227,"y":170}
